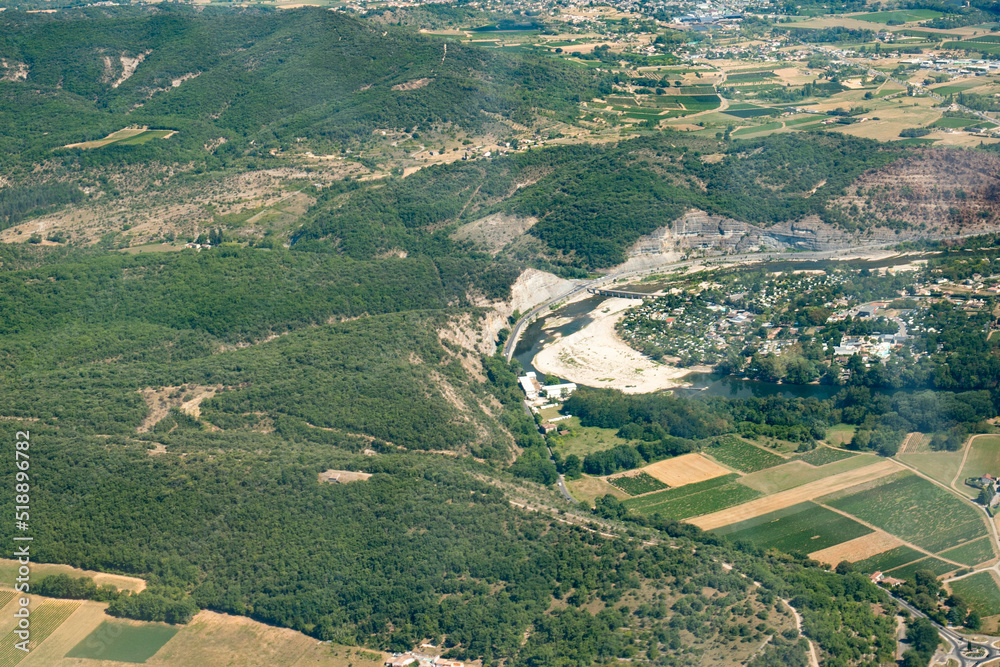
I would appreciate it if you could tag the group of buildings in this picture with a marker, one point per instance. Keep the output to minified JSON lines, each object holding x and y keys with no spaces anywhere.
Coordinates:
{"x":536,"y":392}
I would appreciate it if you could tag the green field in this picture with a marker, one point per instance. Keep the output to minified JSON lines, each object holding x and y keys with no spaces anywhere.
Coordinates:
{"x":917,"y":511}
{"x":984,"y":457}
{"x":953,"y":88}
{"x":823,"y":455}
{"x":796,"y":473}
{"x":953,"y":123}
{"x":584,"y":440}
{"x":972,"y":45}
{"x":972,"y":553}
{"x":636,"y":485}
{"x":690,"y":500}
{"x":936,"y":566}
{"x":980,"y":592}
{"x":123,"y":642}
{"x":767,"y":127}
{"x":904,"y":15}
{"x":803,"y":528}
{"x":887,"y":560}
{"x":840,"y":434}
{"x":741,"y":455}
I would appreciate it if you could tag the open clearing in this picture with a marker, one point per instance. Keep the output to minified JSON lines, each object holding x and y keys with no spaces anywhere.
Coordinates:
{"x":587,"y":488}
{"x":126,"y":136}
{"x":685,"y":469}
{"x":801,"y":528}
{"x":860,"y":548}
{"x":915,"y":510}
{"x":8,"y":570}
{"x":797,"y":495}
{"x":796,"y":473}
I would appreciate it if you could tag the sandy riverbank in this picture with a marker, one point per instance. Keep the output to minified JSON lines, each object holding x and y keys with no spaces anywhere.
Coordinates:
{"x":597,"y":357}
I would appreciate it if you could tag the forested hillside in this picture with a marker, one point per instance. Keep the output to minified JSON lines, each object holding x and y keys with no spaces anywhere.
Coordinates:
{"x":298,"y":370}
{"x":258,"y":79}
{"x":593,"y":202}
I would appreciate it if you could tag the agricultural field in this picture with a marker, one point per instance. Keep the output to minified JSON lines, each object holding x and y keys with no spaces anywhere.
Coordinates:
{"x":46,"y":617}
{"x":935,"y":565}
{"x":754,"y":129}
{"x":123,"y":642}
{"x":972,"y":553}
{"x":904,"y":15}
{"x":796,"y":473}
{"x":955,"y":88}
{"x":915,"y":510}
{"x":685,"y":469}
{"x":694,"y":499}
{"x":801,"y":528}
{"x":824,"y":455}
{"x":940,"y":466}
{"x":983,"y":458}
{"x":889,"y":559}
{"x":741,"y":455}
{"x":637,"y":484}
{"x":858,"y":549}
{"x":70,"y":633}
{"x":980,"y":592}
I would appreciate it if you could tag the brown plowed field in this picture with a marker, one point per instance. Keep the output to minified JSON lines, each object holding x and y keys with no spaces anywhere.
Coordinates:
{"x":685,"y":469}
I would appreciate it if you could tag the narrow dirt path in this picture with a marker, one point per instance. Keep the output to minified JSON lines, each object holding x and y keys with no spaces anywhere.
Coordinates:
{"x":813,"y":659}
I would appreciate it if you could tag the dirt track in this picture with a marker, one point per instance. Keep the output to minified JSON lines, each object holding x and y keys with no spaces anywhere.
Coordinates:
{"x":799,"y":494}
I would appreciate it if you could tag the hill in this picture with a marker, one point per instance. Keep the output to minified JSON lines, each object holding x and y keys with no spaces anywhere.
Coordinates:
{"x":257,"y":79}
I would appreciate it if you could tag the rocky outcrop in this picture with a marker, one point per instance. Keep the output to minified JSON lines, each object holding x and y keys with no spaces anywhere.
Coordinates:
{"x":698,"y":230}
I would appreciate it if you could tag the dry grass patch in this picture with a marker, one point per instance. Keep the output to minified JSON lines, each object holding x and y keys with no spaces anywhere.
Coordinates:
{"x":8,"y":568}
{"x":587,"y":488}
{"x":187,"y":398}
{"x":857,"y":549}
{"x":685,"y":469}
{"x":343,"y":476}
{"x":800,"y":494}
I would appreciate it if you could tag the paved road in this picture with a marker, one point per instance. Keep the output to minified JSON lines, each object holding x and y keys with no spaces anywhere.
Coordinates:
{"x":956,"y":641}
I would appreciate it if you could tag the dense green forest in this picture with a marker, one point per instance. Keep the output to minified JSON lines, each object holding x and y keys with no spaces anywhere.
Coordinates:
{"x":258,"y":78}
{"x":325,"y":362}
